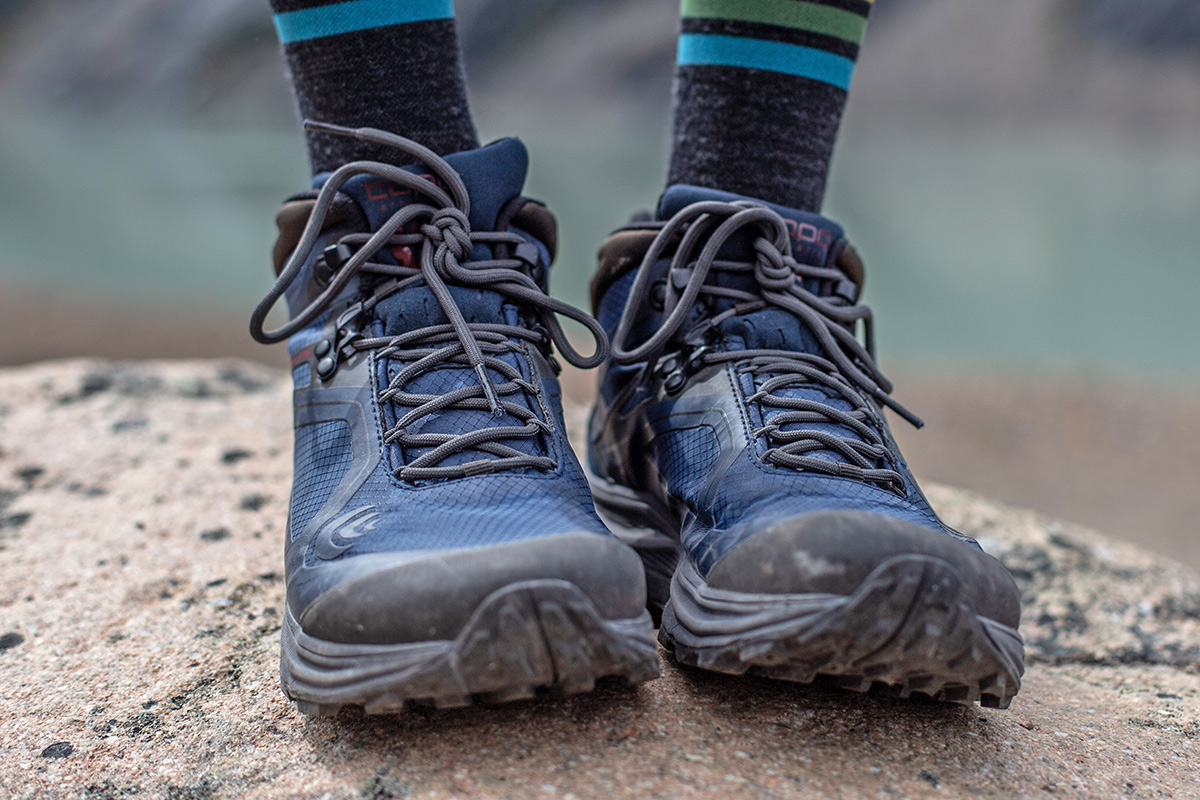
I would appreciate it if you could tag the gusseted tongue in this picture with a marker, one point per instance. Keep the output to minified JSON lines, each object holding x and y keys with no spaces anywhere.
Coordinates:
{"x":493,"y":176}
{"x":772,"y":328}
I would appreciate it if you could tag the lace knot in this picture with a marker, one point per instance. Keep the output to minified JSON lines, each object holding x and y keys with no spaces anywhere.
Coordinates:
{"x":449,"y":232}
{"x":772,"y":269}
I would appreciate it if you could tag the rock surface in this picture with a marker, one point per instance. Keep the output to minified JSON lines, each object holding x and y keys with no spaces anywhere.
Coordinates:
{"x":141,"y":512}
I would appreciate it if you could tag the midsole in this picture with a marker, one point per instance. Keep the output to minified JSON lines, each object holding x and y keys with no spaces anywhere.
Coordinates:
{"x":326,"y":666}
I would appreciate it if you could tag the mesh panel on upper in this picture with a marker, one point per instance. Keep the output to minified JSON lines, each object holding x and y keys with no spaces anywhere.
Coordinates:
{"x":684,"y":458}
{"x":302,"y":376}
{"x":474,"y":512}
{"x":322,"y":457}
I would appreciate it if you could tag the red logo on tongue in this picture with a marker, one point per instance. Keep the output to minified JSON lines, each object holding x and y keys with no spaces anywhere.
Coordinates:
{"x":805,"y":234}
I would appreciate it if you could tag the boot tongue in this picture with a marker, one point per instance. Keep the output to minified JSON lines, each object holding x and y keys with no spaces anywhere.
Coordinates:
{"x":493,"y":175}
{"x":812,"y":235}
{"x":773,"y":328}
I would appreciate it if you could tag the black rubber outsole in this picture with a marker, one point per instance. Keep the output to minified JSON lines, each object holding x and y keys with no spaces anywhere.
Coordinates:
{"x":906,"y":631}
{"x":529,"y":637}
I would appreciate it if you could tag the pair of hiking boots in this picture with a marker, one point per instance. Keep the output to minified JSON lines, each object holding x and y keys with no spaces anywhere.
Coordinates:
{"x":741,"y":488}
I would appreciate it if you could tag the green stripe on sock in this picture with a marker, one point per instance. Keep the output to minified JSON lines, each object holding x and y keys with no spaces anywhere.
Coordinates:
{"x":784,"y":13}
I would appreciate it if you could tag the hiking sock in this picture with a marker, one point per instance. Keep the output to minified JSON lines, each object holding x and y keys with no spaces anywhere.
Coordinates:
{"x":759,"y":90}
{"x":380,"y":64}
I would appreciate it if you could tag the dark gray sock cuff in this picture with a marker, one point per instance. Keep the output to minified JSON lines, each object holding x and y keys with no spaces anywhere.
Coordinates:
{"x":759,"y":93}
{"x":761,"y":134}
{"x":406,"y":78}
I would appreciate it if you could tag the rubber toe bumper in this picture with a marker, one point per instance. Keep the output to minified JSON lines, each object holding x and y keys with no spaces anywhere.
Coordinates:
{"x":833,"y":553}
{"x":433,"y":598}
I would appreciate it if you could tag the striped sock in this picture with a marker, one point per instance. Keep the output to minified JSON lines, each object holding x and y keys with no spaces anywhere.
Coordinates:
{"x":389,"y":64}
{"x":759,"y":90}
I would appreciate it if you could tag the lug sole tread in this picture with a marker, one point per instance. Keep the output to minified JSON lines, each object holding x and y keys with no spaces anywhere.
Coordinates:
{"x":905,"y":632}
{"x":530,"y":638}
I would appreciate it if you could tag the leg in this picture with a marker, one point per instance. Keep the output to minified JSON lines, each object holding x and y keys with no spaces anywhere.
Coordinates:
{"x":442,"y":545}
{"x":759,"y":92}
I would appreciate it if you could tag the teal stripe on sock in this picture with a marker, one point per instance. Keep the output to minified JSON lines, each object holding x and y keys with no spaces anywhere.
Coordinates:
{"x":790,"y":59}
{"x":357,"y":15}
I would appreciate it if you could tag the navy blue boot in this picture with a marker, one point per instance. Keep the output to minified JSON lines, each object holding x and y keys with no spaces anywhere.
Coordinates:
{"x":442,"y":543}
{"x":739,"y":444}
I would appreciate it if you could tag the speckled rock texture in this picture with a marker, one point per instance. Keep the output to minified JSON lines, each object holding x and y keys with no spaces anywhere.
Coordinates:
{"x":142,"y":510}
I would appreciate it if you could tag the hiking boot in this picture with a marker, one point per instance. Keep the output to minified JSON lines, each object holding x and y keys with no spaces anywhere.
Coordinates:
{"x":442,"y":544}
{"x":738,"y":442}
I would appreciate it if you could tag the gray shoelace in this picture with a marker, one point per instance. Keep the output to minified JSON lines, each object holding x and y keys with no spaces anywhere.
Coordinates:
{"x":444,"y":241}
{"x":846,"y":369}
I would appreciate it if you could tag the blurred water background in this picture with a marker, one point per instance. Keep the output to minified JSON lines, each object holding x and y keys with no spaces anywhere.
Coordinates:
{"x":1023,"y":179}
